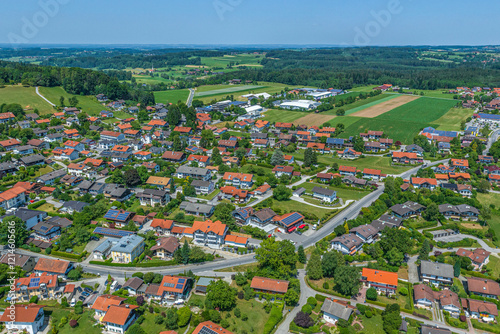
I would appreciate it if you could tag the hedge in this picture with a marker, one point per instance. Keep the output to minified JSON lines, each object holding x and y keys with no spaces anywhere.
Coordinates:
{"x":474,"y":273}
{"x":454,"y":322}
{"x":320,"y":298}
{"x":275,"y":317}
{"x":132,"y":265}
{"x":37,"y":204}
{"x":67,"y":255}
{"x":311,"y":330}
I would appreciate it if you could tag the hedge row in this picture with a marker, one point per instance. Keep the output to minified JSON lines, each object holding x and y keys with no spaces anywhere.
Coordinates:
{"x":275,"y":317}
{"x":311,"y":330}
{"x":133,"y":265}
{"x":67,"y":255}
{"x":37,"y":204}
{"x":485,"y":327}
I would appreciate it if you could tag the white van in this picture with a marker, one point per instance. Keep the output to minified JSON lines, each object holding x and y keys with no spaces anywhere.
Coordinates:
{"x":113,"y":285}
{"x":73,"y":302}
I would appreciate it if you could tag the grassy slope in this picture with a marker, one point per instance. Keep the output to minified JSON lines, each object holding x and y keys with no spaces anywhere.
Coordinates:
{"x":88,"y":103}
{"x":494,"y":222}
{"x":25,"y":96}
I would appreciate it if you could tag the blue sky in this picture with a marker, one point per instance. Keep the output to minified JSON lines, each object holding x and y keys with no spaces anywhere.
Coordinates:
{"x":330,"y":22}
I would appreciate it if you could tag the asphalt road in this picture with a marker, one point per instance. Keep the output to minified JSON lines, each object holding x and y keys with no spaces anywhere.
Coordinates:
{"x":190,"y":98}
{"x":491,"y":139}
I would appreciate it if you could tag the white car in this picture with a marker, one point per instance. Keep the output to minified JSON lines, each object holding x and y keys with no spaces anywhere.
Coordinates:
{"x":73,"y":302}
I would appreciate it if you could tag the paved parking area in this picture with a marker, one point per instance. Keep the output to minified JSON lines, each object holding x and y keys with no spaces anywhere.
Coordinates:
{"x":452,"y":238}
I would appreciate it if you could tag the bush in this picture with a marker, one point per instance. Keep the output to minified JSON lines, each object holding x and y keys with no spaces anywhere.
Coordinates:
{"x":237,"y":312}
{"x":215,"y":316}
{"x":343,"y":323}
{"x":307,"y":309}
{"x":244,"y":317}
{"x":275,"y":317}
{"x":368,"y":314}
{"x":34,"y":299}
{"x":73,"y":323}
{"x":371,"y":294}
{"x":326,"y":286}
{"x":303,"y":320}
{"x":312,"y":301}
{"x":224,"y":323}
{"x":403,"y":291}
{"x":37,"y":204}
{"x":320,"y":298}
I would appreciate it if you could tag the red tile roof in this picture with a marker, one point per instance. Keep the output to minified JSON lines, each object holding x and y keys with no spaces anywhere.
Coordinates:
{"x":380,"y":276}
{"x":269,"y":284}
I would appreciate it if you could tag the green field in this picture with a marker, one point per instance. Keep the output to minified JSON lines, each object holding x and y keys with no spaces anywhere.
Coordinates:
{"x":275,"y":115}
{"x":494,"y":222}
{"x":452,"y":119}
{"x":88,"y":104}
{"x":227,"y":90}
{"x":25,"y":96}
{"x":265,"y":87}
{"x":290,"y":206}
{"x":239,"y":60}
{"x":362,"y":104}
{"x":403,"y":123}
{"x":172,"y":96}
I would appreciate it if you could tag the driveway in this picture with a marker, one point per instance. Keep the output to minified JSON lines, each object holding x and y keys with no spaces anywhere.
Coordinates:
{"x":458,"y":237}
{"x":413,"y":270}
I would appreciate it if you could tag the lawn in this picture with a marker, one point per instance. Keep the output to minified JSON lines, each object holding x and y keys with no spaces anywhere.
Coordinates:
{"x":405,"y":122}
{"x":452,"y":119}
{"x":494,"y":221}
{"x":88,"y":104}
{"x":365,"y":89}
{"x":494,"y":264}
{"x":85,"y":323}
{"x":240,"y":268}
{"x":210,"y":196}
{"x":47,"y":207}
{"x":291,"y":206}
{"x":285,"y":116}
{"x":44,"y":170}
{"x":372,"y":325}
{"x":459,"y":284}
{"x":26,"y":97}
{"x":345,"y":194}
{"x":172,"y":96}
{"x":403,"y":301}
{"x":376,"y":162}
{"x":257,"y":317}
{"x":149,"y":325}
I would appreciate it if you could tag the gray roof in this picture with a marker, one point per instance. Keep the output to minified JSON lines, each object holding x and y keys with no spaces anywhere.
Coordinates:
{"x":200,"y":183}
{"x":436,"y":269}
{"x":63,"y":222}
{"x":427,"y":329}
{"x":338,"y":310}
{"x":75,"y":205}
{"x":127,"y":244}
{"x":323,"y":191}
{"x":52,"y":175}
{"x":205,"y":281}
{"x":104,"y":246}
{"x":192,"y":170}
{"x":196,"y":207}
{"x":32,"y":158}
{"x":5,"y":166}
{"x":414,"y":147}
{"x":85,"y":185}
{"x":133,"y":283}
{"x":25,"y":214}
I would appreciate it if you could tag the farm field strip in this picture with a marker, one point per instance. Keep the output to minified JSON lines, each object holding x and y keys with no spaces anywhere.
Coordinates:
{"x":383,"y":106}
{"x":226,"y":90}
{"x":313,"y":119}
{"x":378,"y":101}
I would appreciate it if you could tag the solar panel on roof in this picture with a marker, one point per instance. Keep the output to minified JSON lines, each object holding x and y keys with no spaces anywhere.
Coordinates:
{"x":182,"y":280}
{"x":290,"y":219}
{"x":34,"y":282}
{"x":178,"y":286}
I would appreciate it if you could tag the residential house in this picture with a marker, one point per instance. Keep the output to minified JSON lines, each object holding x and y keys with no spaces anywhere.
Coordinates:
{"x":52,"y":267}
{"x":383,"y":281}
{"x":436,"y":273}
{"x":193,"y":172}
{"x":282,"y":170}
{"x":197,"y":209}
{"x":421,"y":182}
{"x":173,"y":288}
{"x":127,"y":249}
{"x":483,"y":287}
{"x":290,"y":221}
{"x":208,"y":233}
{"x":407,"y":210}
{"x":51,"y":177}
{"x":347,"y":243}
{"x":478,"y":309}
{"x":269,"y":285}
{"x":200,"y":160}
{"x":165,"y":247}
{"x":175,"y":157}
{"x":479,"y":256}
{"x":162,"y":226}
{"x":30,"y":217}
{"x":25,"y":262}
{"x":367,"y":233}
{"x":406,"y":158}
{"x":162,"y":183}
{"x":324,"y":194}
{"x":133,"y":285}
{"x":26,"y":318}
{"x":43,"y":286}
{"x":373,"y":174}
{"x":203,"y":187}
{"x":119,"y":318}
{"x":239,"y":180}
{"x":333,"y":310}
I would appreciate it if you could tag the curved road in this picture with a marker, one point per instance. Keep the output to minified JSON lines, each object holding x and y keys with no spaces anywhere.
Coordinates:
{"x":306,"y":241}
{"x":190,"y":98}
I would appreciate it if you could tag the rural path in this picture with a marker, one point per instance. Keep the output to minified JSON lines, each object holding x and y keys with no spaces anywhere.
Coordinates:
{"x":190,"y":97}
{"x":43,"y":97}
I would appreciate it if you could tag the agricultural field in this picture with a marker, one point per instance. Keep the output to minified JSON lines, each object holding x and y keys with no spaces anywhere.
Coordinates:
{"x":171,"y":96}
{"x":88,"y":103}
{"x":313,"y":119}
{"x":361,"y":104}
{"x":405,"y":122}
{"x":452,"y":119}
{"x":26,"y":97}
{"x":494,"y":222}
{"x":275,"y":115}
{"x":226,"y":90}
{"x":383,"y":106}
{"x":238,"y":60}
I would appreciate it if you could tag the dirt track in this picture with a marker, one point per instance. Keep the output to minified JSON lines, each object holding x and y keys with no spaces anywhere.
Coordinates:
{"x":384,"y":107}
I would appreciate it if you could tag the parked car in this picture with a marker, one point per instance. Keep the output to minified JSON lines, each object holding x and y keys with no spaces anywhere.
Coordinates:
{"x":89,"y":290}
{"x":85,"y":293}
{"x":82,"y":298}
{"x":79,"y":289}
{"x":73,"y":302}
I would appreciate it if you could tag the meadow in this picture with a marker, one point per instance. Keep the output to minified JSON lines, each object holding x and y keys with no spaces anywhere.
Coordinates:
{"x":88,"y":104}
{"x":226,"y":90}
{"x":286,"y":116}
{"x":452,"y":119}
{"x":171,"y":96}
{"x":358,"y":105}
{"x":238,"y":60}
{"x":25,"y":96}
